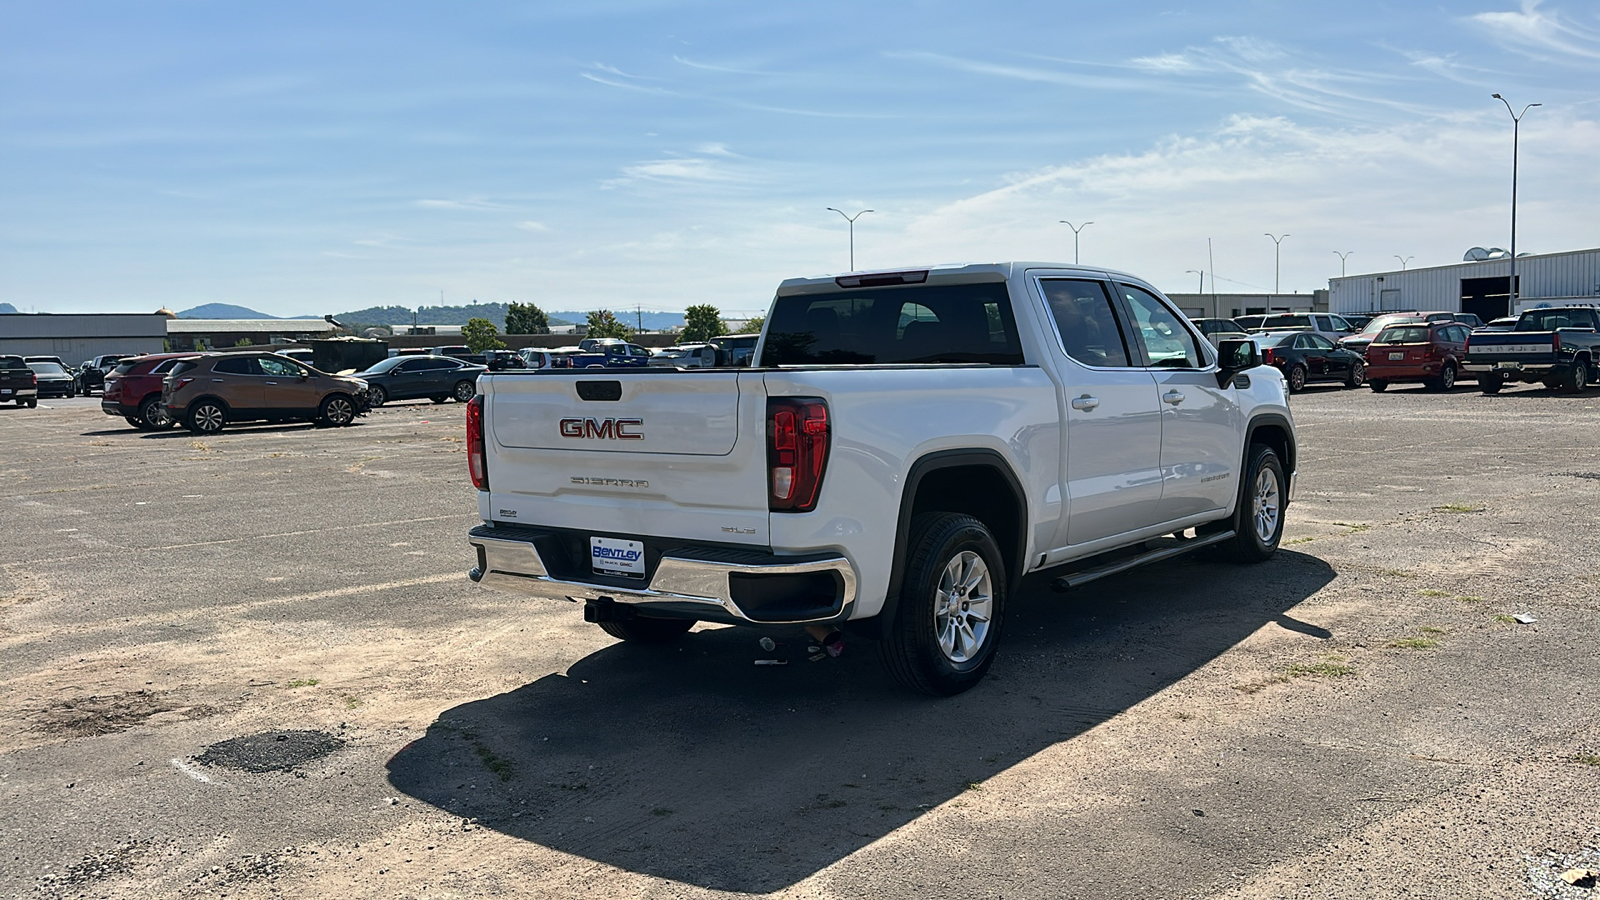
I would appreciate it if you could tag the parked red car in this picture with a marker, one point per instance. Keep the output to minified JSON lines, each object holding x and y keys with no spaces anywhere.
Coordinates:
{"x":1429,"y":352}
{"x":133,"y":390}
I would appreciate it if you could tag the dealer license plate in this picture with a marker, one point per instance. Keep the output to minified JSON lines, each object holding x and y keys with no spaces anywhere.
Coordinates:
{"x":1400,"y":355}
{"x":1508,"y":364}
{"x":615,"y":557}
{"x":5,"y":390}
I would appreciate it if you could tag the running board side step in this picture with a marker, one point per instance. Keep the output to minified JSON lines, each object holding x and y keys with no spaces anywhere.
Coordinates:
{"x":1079,"y":579}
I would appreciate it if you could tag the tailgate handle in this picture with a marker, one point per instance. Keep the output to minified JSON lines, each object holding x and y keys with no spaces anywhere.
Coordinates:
{"x":600,"y":390}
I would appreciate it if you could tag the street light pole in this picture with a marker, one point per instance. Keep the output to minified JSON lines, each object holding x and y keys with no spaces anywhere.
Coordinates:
{"x":852,"y":221}
{"x":1403,"y":260}
{"x":1516,"y":127}
{"x":1202,"y":278}
{"x":1075,"y":230}
{"x":1342,"y":257}
{"x":1277,"y":253}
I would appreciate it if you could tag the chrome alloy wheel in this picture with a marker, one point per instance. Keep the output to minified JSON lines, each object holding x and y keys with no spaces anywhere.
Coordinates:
{"x":963,"y":606}
{"x":340,"y":411}
{"x":1266,"y":505}
{"x":209,"y":418}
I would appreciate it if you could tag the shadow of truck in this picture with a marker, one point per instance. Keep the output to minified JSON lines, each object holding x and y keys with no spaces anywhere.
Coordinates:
{"x":687,"y":762}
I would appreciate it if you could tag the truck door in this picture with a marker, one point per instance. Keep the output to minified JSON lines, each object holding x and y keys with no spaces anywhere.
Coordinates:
{"x":1113,"y":417}
{"x":1201,"y":423}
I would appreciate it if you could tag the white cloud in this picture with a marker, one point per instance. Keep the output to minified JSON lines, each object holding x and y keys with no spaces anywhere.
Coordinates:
{"x":475,"y":204}
{"x":533,"y":226}
{"x":1538,"y":34}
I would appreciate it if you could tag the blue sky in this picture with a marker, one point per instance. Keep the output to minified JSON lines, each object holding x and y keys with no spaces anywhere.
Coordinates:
{"x":302,"y":158}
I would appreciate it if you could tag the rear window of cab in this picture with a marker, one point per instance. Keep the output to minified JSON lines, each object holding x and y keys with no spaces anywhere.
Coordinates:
{"x":929,"y":324}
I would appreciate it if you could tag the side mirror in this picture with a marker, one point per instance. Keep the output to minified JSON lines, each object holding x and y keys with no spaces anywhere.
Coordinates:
{"x":1234,"y":357}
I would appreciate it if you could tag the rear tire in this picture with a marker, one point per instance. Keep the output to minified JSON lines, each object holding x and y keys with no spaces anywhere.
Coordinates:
{"x":439,"y":399}
{"x":154,"y":416}
{"x":464,"y":391}
{"x":31,"y":404}
{"x":951,"y":607}
{"x":647,"y":631}
{"x":1297,"y":379}
{"x":206,"y":417}
{"x":1378,"y":384}
{"x":1576,"y":380}
{"x":1258,"y":523}
{"x":1490,"y":382}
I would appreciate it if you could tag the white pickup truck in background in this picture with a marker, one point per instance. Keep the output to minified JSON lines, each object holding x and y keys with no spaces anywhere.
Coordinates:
{"x":905,"y":448}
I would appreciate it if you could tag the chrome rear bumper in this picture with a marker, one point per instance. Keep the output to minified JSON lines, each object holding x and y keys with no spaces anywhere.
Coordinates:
{"x":681,"y":586}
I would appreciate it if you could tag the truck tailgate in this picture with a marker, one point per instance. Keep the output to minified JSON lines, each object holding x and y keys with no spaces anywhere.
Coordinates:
{"x":1498,"y":346}
{"x":640,"y":452}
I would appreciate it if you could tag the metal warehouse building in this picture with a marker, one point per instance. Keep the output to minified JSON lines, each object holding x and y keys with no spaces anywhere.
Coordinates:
{"x":77,"y":337}
{"x":1482,"y":287}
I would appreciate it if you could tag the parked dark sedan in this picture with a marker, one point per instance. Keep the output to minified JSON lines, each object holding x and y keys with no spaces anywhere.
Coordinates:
{"x":406,"y":377}
{"x":1305,"y":357}
{"x":54,"y":379}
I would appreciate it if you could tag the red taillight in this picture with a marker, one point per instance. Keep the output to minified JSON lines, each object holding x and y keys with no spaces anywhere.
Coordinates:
{"x":797,"y":452}
{"x":1269,"y":357}
{"x":1555,"y":341}
{"x":477,"y":461}
{"x":35,"y":378}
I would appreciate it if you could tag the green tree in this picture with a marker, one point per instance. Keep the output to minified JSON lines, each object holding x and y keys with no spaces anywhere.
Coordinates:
{"x":244,"y":342}
{"x":481,"y":335}
{"x":526,"y":318}
{"x":604,"y":323}
{"x":702,"y":323}
{"x":755,"y":325}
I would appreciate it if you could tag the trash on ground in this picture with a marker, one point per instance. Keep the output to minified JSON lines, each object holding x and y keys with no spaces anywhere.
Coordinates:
{"x":1524,"y":619}
{"x":1584,"y":878}
{"x":772,"y":662}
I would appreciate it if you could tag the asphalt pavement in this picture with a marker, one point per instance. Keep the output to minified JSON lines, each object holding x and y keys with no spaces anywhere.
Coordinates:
{"x":251,"y":665}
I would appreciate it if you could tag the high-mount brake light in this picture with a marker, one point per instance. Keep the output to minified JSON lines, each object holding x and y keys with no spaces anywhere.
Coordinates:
{"x":477,"y":459}
{"x":881,"y":279}
{"x":797,"y":452}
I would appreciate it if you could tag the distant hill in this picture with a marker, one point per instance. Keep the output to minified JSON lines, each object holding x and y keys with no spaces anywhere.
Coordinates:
{"x":222,"y":311}
{"x":7,"y":309}
{"x":400,"y":316}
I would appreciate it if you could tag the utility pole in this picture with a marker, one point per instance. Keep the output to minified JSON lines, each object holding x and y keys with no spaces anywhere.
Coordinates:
{"x":638,"y":317}
{"x":1277,"y":255}
{"x":1075,"y":230}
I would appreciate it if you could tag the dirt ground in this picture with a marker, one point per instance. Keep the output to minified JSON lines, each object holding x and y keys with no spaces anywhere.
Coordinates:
{"x":251,"y":665}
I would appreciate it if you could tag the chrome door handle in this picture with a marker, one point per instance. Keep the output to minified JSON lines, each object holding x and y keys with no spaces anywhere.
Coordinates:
{"x":1085,"y":403}
{"x":1172,"y":397}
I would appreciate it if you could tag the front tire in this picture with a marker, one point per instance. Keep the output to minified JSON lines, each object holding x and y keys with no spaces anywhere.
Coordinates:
{"x":465,"y":390}
{"x":377,"y":396}
{"x":1297,"y":379}
{"x":1358,"y":374}
{"x":1262,"y":503}
{"x":951,"y":608}
{"x":206,"y":417}
{"x":647,"y":631}
{"x":337,"y":411}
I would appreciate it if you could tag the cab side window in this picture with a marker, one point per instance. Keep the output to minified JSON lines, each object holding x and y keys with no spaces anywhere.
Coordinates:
{"x":1167,"y":344}
{"x":1085,"y":321}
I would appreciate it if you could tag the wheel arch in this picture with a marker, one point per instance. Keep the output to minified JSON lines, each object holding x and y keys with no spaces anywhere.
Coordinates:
{"x":976,"y":481}
{"x":1274,"y":430}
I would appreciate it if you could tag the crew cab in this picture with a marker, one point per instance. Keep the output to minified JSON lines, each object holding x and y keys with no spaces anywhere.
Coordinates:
{"x":906,"y":447}
{"x":1558,"y":346}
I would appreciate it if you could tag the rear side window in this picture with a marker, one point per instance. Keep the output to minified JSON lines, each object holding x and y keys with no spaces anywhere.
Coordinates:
{"x":124,"y":368}
{"x":959,"y":323}
{"x":237,"y":365}
{"x":182,"y":366}
{"x":1085,"y":322}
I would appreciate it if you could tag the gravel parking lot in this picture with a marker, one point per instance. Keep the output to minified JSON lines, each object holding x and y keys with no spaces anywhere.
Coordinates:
{"x":252,"y":665}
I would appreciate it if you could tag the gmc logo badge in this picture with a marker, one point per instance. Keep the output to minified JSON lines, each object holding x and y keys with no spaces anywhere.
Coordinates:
{"x":607,"y":429}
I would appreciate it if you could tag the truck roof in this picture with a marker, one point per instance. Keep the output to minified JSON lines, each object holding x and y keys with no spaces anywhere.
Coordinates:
{"x":944,"y":273}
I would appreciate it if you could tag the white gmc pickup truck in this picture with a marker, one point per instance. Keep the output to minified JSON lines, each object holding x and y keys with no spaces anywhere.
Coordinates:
{"x":906,"y":447}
